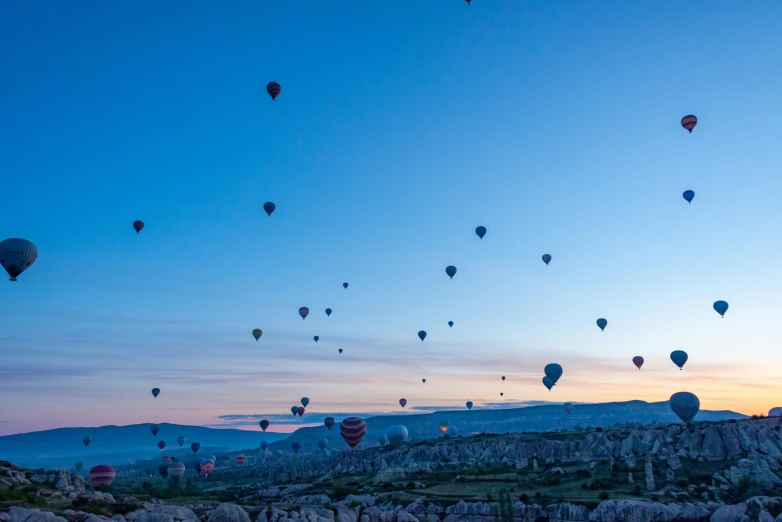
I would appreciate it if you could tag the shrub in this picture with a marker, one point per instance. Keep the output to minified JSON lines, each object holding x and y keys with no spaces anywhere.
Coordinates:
{"x":603,"y":495}
{"x":655,"y":498}
{"x":524,"y":498}
{"x":538,"y":494}
{"x":599,"y":428}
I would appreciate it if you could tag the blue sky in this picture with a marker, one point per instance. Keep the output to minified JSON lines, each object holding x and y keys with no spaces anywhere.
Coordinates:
{"x":399,"y":129}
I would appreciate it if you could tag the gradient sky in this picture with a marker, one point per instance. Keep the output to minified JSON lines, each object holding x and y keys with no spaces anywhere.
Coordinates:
{"x":400,"y":128}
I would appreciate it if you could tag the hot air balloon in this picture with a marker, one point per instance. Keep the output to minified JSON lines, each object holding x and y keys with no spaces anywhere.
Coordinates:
{"x":304,"y":312}
{"x":468,"y":2}
{"x":180,"y":440}
{"x":278,"y":453}
{"x":685,"y":405}
{"x":207,"y":466}
{"x":296,"y":446}
{"x":300,"y":410}
{"x":328,"y":312}
{"x":305,"y":401}
{"x":397,"y":434}
{"x":241,"y":459}
{"x":422,"y":335}
{"x":688,"y":195}
{"x":166,"y":458}
{"x":323,"y":443}
{"x":161,"y":444}
{"x":79,"y":465}
{"x":316,"y":338}
{"x":264,"y":424}
{"x":502,"y":394}
{"x":155,"y":392}
{"x":689,"y":122}
{"x":176,"y":469}
{"x":353,"y":430}
{"x":154,"y":428}
{"x":503,"y":377}
{"x":257,"y":333}
{"x":638,"y":361}
{"x":17,"y":255}
{"x":197,"y":466}
{"x":269,"y":207}
{"x":721,"y":307}
{"x":264,"y":445}
{"x":553,"y":371}
{"x":444,"y":425}
{"x":274,"y":89}
{"x":294,"y":410}
{"x":329,"y":422}
{"x":547,"y":258}
{"x":195,"y":447}
{"x":679,"y":357}
{"x":469,"y":405}
{"x":773,"y":412}
{"x":602,"y":323}
{"x":452,"y":431}
{"x":568,"y":407}
{"x":101,"y":475}
{"x":481,"y":231}
{"x":340,"y":350}
{"x":451,"y":271}
{"x":423,"y":381}
{"x":403,"y":402}
{"x":382,"y":439}
{"x":548,"y":383}
{"x":163,"y":470}
{"x":345,"y":286}
{"x":450,"y":323}
{"x":86,"y":440}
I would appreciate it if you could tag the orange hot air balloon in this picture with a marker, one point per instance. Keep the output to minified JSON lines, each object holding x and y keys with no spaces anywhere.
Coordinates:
{"x":353,"y":430}
{"x":689,"y":122}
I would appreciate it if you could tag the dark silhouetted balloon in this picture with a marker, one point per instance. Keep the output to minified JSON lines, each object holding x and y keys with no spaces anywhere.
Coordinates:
{"x":264,"y":445}
{"x":304,"y":312}
{"x":300,"y":410}
{"x":685,"y":405}
{"x":269,"y":207}
{"x":546,"y":258}
{"x":195,"y":447}
{"x":721,"y":307}
{"x":568,"y":407}
{"x":382,"y":439}
{"x":689,"y":122}
{"x":688,"y":195}
{"x":481,"y":231}
{"x":329,"y":422}
{"x":264,"y":424}
{"x":294,"y":410}
{"x":502,"y":394}
{"x":451,"y":271}
{"x":154,"y":428}
{"x":638,"y":361}
{"x":423,"y":381}
{"x":353,"y":430}
{"x":323,"y":443}
{"x":340,"y":350}
{"x":602,"y":323}
{"x":163,"y":470}
{"x":316,"y":338}
{"x":328,"y":311}
{"x":548,"y":383}
{"x":86,"y":440}
{"x":17,"y":255}
{"x":305,"y":401}
{"x":553,"y":371}
{"x":422,"y":335}
{"x":257,"y":333}
{"x":181,"y":441}
{"x":155,"y":392}
{"x":345,"y":286}
{"x":469,"y":405}
{"x":274,"y":89}
{"x":161,"y":444}
{"x":402,"y":402}
{"x":679,"y":357}
{"x":503,"y":377}
{"x":138,"y":226}
{"x":79,"y":465}
{"x":450,"y":323}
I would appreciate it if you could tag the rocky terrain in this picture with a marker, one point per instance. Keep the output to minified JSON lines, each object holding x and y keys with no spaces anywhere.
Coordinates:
{"x":720,"y":471}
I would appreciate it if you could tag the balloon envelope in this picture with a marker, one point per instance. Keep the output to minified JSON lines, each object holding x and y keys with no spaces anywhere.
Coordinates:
{"x":138,"y":226}
{"x":79,"y":465}
{"x":685,"y":405}
{"x":207,"y":467}
{"x":638,"y":361}
{"x":329,"y":422}
{"x":721,"y":307}
{"x":163,"y":470}
{"x":382,"y":439}
{"x":546,"y":258}
{"x":101,"y":475}
{"x":451,"y":271}
{"x":548,"y":383}
{"x":397,"y":434}
{"x":602,"y":323}
{"x":264,"y":445}
{"x":86,"y":440}
{"x":322,"y":443}
{"x":305,"y":401}
{"x":195,"y":447}
{"x":773,"y":412}
{"x":161,"y":444}
{"x":403,"y":402}
{"x":154,"y":428}
{"x":328,"y":311}
{"x":689,"y":122}
{"x":300,"y":410}
{"x":294,"y":410}
{"x":17,"y":255}
{"x":568,"y":407}
{"x":452,"y":431}
{"x":257,"y":333}
{"x":264,"y":424}
{"x":481,"y":231}
{"x":269,"y":207}
{"x":180,"y":440}
{"x":423,"y":381}
{"x":274,"y":89}
{"x":241,"y":459}
{"x":340,"y":350}
{"x":553,"y":371}
{"x":155,"y":392}
{"x":450,"y":323}
{"x":296,"y":446}
{"x":176,"y":469}
{"x":422,"y":335}
{"x":444,"y":425}
{"x":304,"y":312}
{"x":469,"y":405}
{"x":679,"y":357}
{"x":316,"y":338}
{"x":353,"y":430}
{"x":688,"y":195}
{"x":345,"y":286}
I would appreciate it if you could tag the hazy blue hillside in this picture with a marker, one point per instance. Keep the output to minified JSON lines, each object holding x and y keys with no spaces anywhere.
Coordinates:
{"x":119,"y":444}
{"x":531,"y":418}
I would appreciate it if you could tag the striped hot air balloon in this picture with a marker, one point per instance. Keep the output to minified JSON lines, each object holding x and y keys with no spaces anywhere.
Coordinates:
{"x":638,"y":361}
{"x":102,"y":475}
{"x":241,"y":459}
{"x":176,"y":469}
{"x":17,"y":255}
{"x":274,"y":89}
{"x":689,"y":122}
{"x":353,"y":430}
{"x":138,"y":226}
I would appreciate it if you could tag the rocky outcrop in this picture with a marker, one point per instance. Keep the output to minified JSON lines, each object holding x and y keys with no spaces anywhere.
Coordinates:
{"x":229,"y":513}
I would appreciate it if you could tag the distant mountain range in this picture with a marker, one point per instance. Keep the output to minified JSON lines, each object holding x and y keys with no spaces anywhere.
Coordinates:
{"x":531,"y":418}
{"x":121,"y":444}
